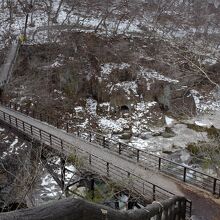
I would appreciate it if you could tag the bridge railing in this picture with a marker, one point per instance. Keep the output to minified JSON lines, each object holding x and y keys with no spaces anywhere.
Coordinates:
{"x":130,"y":180}
{"x":150,"y":160}
{"x":144,"y":158}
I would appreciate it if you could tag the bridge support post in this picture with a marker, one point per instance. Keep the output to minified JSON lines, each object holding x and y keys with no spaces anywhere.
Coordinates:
{"x":62,"y":165}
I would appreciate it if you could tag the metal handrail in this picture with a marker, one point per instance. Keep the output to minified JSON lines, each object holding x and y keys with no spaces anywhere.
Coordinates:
{"x":214,"y":186}
{"x":54,"y":141}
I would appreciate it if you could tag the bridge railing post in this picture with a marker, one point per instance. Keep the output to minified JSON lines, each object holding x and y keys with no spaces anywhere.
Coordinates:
{"x":23,"y":126}
{"x":154,"y":192}
{"x":107,"y":168}
{"x":67,"y":127}
{"x":138,"y":155}
{"x":61,"y":144}
{"x":103,"y":141}
{"x":90,"y":136}
{"x":214,"y":186}
{"x":159,"y":164}
{"x":184,"y":174}
{"x":40,"y":134}
{"x":4,"y":116}
{"x":50,"y":139}
{"x":119,"y":147}
{"x":90,"y":159}
{"x":9,"y":118}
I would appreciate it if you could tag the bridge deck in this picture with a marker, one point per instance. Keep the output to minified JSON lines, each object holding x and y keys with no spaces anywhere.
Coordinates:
{"x":98,"y":151}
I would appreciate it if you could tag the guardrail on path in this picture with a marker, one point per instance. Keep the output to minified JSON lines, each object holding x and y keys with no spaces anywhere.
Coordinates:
{"x":138,"y":184}
{"x":144,"y":158}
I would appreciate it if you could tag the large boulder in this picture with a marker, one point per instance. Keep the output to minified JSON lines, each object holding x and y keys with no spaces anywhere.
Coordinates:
{"x":171,"y":96}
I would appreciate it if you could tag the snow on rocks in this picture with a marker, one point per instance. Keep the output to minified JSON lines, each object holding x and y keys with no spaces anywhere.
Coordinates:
{"x":107,"y":68}
{"x":128,"y":87}
{"x":203,"y":105}
{"x":169,"y":121}
{"x":91,"y":105}
{"x":111,"y":125}
{"x":150,"y":74}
